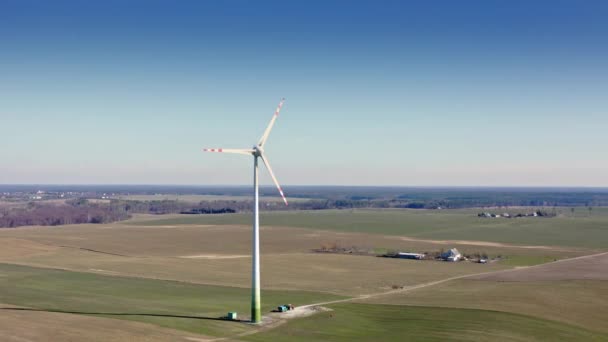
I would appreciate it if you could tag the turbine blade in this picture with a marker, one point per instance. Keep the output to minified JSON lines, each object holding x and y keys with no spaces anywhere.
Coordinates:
{"x":274,"y":179}
{"x":269,"y":128}
{"x":229,"y":150}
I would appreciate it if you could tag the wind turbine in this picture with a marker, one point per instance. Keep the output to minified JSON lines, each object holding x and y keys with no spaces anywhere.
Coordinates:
{"x":257,"y":151}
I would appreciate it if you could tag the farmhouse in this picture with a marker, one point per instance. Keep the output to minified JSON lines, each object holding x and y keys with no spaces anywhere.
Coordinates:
{"x":451,"y":255}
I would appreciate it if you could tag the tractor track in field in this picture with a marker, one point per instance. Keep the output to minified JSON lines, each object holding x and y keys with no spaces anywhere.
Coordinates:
{"x":274,"y":320}
{"x":80,"y":248}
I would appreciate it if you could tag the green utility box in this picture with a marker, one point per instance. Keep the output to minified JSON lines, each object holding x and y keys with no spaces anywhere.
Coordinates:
{"x":232,"y":316}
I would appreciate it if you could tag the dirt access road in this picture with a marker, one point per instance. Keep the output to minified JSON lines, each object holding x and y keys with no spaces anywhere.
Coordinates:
{"x":592,"y":266}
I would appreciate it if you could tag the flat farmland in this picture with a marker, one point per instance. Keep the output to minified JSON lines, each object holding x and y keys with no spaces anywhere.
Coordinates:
{"x":148,"y":238}
{"x":365,"y":322}
{"x":178,"y":274}
{"x":176,"y":305}
{"x":221,"y":256}
{"x":583,"y":229}
{"x":582,"y":268}
{"x":22,"y":324}
{"x":337,"y":274}
{"x":571,"y":291}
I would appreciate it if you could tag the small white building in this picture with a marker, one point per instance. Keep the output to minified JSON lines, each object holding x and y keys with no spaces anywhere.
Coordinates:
{"x":451,"y":255}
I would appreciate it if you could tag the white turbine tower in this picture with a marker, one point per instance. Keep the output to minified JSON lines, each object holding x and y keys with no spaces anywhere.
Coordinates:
{"x":257,"y":152}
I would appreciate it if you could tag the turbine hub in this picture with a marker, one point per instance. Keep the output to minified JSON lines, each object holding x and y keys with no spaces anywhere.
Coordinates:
{"x":257,"y":150}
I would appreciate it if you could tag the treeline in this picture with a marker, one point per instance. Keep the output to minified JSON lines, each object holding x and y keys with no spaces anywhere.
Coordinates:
{"x":182,"y":207}
{"x":232,"y":206}
{"x":78,"y":211}
{"x":209,"y":211}
{"x":75,"y":212}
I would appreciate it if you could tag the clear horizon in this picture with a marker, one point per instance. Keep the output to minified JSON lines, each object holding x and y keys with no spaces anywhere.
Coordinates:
{"x":467,"y":94}
{"x":272,"y":187}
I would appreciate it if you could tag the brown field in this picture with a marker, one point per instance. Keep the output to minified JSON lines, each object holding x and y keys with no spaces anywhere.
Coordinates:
{"x":175,"y":253}
{"x":219,"y":255}
{"x":483,"y":244}
{"x":180,"y":240}
{"x":18,"y":248}
{"x":582,"y":268}
{"x":19,"y":325}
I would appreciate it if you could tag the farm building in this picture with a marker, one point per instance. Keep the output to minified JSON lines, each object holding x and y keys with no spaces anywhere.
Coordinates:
{"x":451,"y":255}
{"x":416,"y":256}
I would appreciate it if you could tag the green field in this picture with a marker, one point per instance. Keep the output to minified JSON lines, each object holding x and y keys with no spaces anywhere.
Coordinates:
{"x":175,"y":275}
{"x":365,"y":322}
{"x":583,"y":303}
{"x":527,"y":260}
{"x":338,"y":274}
{"x":589,"y":231}
{"x":183,"y":306}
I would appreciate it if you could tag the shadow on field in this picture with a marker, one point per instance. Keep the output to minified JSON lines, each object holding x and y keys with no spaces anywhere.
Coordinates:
{"x":122,"y":314}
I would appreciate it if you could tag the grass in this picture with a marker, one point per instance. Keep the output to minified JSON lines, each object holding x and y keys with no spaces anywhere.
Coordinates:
{"x":154,"y":249}
{"x":589,"y":231}
{"x":20,"y":324}
{"x":287,"y":262}
{"x":527,"y":260}
{"x":339,"y":274}
{"x":579,"y":302}
{"x":156,"y":252}
{"x":365,"y":322}
{"x":170,"y":304}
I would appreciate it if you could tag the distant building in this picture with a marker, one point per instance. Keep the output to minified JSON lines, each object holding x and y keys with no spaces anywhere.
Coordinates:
{"x":416,"y":256}
{"x":451,"y":255}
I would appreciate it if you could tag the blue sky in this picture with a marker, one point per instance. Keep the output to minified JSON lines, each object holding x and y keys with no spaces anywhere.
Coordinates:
{"x":501,"y":93}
